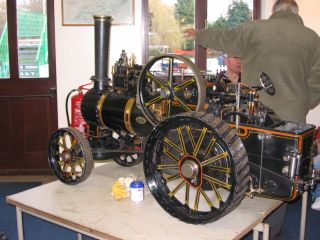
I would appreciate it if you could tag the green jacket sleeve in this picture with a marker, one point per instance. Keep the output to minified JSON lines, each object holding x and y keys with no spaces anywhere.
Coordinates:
{"x":314,"y":82}
{"x":229,"y":41}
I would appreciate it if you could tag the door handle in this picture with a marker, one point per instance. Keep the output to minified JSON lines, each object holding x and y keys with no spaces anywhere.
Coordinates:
{"x":53,"y":92}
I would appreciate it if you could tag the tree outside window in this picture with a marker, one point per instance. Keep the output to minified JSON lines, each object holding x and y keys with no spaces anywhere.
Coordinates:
{"x":168,"y":19}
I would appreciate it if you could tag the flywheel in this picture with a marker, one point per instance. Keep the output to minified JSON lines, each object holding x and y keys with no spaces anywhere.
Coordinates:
{"x":170,"y":84}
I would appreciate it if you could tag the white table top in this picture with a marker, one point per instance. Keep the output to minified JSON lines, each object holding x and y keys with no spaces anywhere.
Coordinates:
{"x":90,"y":208}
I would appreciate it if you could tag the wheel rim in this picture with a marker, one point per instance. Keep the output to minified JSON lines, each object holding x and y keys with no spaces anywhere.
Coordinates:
{"x":190,"y":170}
{"x":170,"y":84}
{"x":69,"y":156}
{"x":128,"y":159}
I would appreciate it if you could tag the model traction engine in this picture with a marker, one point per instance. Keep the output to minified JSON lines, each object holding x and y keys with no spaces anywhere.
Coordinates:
{"x":204,"y":144}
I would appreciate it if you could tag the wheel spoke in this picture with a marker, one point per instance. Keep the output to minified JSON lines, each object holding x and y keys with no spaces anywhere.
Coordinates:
{"x":78,"y":159}
{"x":185,"y":106}
{"x":215,"y":190}
{"x":168,"y":153}
{"x":183,"y":146}
{"x":191,"y":137}
{"x":172,"y":144}
{"x":155,"y":79}
{"x":170,"y":72}
{"x":64,"y":139}
{"x":60,"y":163}
{"x":74,"y":142}
{"x":58,"y":154}
{"x":168,"y":108}
{"x":217,"y":181}
{"x":73,"y":169}
{"x":65,"y":167}
{"x":183,"y":85}
{"x":61,"y":144}
{"x":200,"y":140}
{"x":167,"y":166}
{"x":221,"y":169}
{"x":173,"y":177}
{"x":187,"y":195}
{"x":206,"y":197}
{"x":196,"y":201}
{"x":153,"y":101}
{"x":67,"y":135}
{"x":176,"y":189}
{"x":212,"y":142}
{"x":215,"y":158}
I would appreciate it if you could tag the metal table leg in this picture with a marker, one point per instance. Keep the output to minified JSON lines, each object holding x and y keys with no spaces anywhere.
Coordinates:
{"x":261,"y":227}
{"x":303,"y":215}
{"x":79,"y":236}
{"x":19,"y":223}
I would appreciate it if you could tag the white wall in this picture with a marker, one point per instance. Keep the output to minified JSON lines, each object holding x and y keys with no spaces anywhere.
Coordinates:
{"x":308,"y":10}
{"x":75,"y":53}
{"x":75,"y":49}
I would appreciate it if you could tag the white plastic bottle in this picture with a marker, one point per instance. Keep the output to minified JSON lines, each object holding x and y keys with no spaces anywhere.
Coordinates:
{"x":136,"y":191}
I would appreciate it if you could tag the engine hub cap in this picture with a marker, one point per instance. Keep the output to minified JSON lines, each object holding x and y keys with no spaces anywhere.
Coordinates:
{"x":166,"y":93}
{"x":191,"y":171}
{"x":66,"y":156}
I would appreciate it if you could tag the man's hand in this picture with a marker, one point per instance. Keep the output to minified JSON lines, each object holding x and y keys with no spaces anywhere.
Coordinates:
{"x":190,"y":33}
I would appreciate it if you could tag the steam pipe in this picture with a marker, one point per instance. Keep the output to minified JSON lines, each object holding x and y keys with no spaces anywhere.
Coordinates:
{"x":102,"y":38}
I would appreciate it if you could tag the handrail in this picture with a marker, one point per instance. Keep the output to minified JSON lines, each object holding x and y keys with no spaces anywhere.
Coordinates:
{"x":4,"y":53}
{"x":42,"y":54}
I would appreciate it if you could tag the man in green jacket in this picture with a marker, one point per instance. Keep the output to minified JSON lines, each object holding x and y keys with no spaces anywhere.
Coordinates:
{"x":283,"y":48}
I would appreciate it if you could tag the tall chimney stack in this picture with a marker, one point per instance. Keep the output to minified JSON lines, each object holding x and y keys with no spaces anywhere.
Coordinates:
{"x":102,"y":26}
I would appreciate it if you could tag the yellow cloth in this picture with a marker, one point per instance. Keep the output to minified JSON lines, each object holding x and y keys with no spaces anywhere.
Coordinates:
{"x":121,"y":187}
{"x":119,"y":191}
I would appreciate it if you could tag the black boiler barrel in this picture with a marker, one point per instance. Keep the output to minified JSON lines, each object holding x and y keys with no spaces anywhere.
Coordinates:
{"x":117,"y":112}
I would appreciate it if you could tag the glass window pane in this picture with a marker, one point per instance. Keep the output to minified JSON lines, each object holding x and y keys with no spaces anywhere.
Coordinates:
{"x":4,"y":50}
{"x":32,"y":38}
{"x":226,"y":14}
{"x":168,"y":19}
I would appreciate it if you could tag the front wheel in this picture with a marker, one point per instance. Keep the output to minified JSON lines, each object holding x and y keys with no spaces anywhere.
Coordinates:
{"x":196,"y":167}
{"x":70,"y":156}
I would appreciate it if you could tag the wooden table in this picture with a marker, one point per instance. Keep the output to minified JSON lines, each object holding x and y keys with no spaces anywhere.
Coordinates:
{"x":89,"y":209}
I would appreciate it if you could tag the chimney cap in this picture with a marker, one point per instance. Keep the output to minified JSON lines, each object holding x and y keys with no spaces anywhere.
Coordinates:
{"x":102,"y":18}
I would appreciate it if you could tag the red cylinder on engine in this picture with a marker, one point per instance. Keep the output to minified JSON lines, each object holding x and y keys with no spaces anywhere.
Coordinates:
{"x":77,"y":121}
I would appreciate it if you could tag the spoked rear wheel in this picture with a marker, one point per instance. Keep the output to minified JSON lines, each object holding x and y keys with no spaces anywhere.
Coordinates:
{"x":196,"y":167}
{"x":69,"y":156}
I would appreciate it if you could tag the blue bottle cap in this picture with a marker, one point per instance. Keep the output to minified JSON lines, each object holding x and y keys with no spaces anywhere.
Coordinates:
{"x":137,"y":184}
